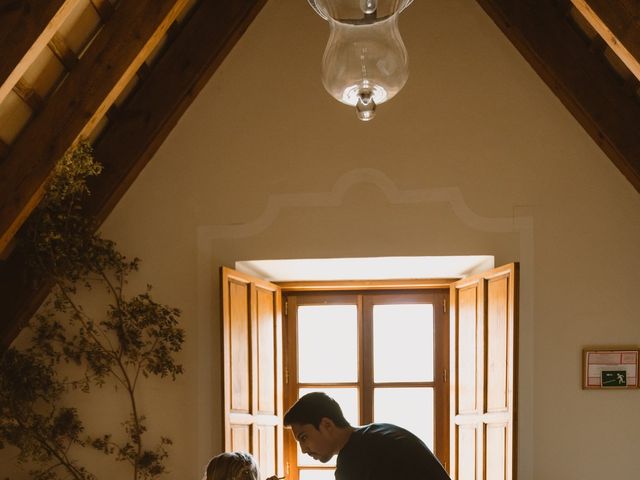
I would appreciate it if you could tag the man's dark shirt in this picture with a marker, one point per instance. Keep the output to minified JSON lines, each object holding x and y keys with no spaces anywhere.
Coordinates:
{"x":384,"y":451}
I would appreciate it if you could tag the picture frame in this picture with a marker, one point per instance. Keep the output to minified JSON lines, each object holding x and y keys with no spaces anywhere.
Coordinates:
{"x":610,"y":368}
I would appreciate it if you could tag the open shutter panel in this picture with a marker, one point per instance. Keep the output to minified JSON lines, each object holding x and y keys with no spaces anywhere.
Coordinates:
{"x":483,"y":364}
{"x":252,"y":353}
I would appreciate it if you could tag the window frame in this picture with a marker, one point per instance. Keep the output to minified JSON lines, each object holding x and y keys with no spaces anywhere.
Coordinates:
{"x":375,"y":293}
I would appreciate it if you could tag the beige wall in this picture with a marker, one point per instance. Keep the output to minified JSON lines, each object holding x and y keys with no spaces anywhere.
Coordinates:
{"x":474,"y":156}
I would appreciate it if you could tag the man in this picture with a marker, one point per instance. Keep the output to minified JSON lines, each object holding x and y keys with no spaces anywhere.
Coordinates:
{"x":373,"y":452}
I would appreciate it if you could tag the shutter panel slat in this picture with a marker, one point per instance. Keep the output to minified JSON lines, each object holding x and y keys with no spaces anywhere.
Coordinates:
{"x":483,"y":364}
{"x":252,"y":359}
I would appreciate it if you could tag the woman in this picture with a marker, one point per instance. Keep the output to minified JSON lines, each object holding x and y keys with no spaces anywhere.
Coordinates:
{"x":233,"y":466}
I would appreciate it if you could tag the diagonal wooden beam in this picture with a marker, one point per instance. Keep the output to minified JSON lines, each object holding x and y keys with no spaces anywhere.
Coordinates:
{"x":104,"y":8}
{"x":61,"y":50}
{"x":144,"y":120}
{"x":111,"y":60}
{"x":28,"y":95}
{"x":585,"y":84}
{"x":618,"y":23}
{"x":26,"y":26}
{"x":4,"y":149}
{"x":171,"y":85}
{"x":21,"y":294}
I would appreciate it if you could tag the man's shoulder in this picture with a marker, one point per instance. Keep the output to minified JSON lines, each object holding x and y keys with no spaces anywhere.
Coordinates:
{"x":384,"y":451}
{"x":382,"y":429}
{"x":377,"y":427}
{"x":368,"y":441}
{"x":384,"y":434}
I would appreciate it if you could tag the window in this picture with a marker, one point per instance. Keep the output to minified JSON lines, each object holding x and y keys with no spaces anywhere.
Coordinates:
{"x":383,"y":355}
{"x":258,"y":355}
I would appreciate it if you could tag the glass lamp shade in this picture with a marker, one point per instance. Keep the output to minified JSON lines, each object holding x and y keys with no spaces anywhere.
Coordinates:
{"x":352,"y":10}
{"x":365,"y":62}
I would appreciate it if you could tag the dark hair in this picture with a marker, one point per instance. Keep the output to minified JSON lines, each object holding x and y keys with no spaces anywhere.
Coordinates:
{"x":313,"y":407}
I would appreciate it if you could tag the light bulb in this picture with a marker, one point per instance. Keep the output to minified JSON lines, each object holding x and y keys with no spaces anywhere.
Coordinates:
{"x":365,"y":62}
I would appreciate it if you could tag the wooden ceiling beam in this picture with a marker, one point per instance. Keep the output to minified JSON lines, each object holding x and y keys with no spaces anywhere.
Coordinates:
{"x":4,"y":149}
{"x":74,"y":109}
{"x":26,"y":27}
{"x":577,"y":74}
{"x":144,"y":121}
{"x":28,"y":95}
{"x":104,"y":8}
{"x":618,"y":23}
{"x":171,"y":85}
{"x":61,"y":50}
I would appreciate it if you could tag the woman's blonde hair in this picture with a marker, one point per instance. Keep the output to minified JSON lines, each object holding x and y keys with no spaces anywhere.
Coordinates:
{"x":232,"y":466}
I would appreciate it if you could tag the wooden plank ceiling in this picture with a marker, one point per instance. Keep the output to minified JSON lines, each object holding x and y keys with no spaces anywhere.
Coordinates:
{"x":125,"y":85}
{"x":192,"y":50}
{"x":596,"y":85}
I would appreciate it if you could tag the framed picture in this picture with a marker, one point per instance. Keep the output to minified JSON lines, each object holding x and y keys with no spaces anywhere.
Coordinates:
{"x":610,"y":368}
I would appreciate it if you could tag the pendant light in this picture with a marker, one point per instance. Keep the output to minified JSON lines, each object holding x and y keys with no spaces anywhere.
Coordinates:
{"x":365,"y":62}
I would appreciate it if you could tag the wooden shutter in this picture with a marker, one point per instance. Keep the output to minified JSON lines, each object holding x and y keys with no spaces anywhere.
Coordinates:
{"x":483,"y":350}
{"x":252,"y":359}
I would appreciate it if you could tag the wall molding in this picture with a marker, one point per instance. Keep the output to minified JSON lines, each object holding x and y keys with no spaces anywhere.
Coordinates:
{"x":521,"y":222}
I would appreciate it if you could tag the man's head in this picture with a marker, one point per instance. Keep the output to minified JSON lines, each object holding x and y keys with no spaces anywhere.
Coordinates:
{"x":318,"y":425}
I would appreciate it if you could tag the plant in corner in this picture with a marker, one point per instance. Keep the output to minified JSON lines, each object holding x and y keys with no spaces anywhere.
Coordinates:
{"x":133,"y":338}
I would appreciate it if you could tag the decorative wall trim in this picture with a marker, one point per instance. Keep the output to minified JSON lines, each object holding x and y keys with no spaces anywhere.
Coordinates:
{"x":521,"y":223}
{"x":334,"y":198}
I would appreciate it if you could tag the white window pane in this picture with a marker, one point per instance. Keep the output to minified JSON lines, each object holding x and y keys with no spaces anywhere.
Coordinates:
{"x":347,"y":398}
{"x":327,"y":343}
{"x":409,"y":408}
{"x":403,"y":343}
{"x":327,"y":474}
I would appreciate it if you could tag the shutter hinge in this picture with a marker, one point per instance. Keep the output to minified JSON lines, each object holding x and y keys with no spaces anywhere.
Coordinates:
{"x":286,"y":375}
{"x":287,"y":468}
{"x":286,"y":308}
{"x":444,"y":375}
{"x":444,"y":305}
